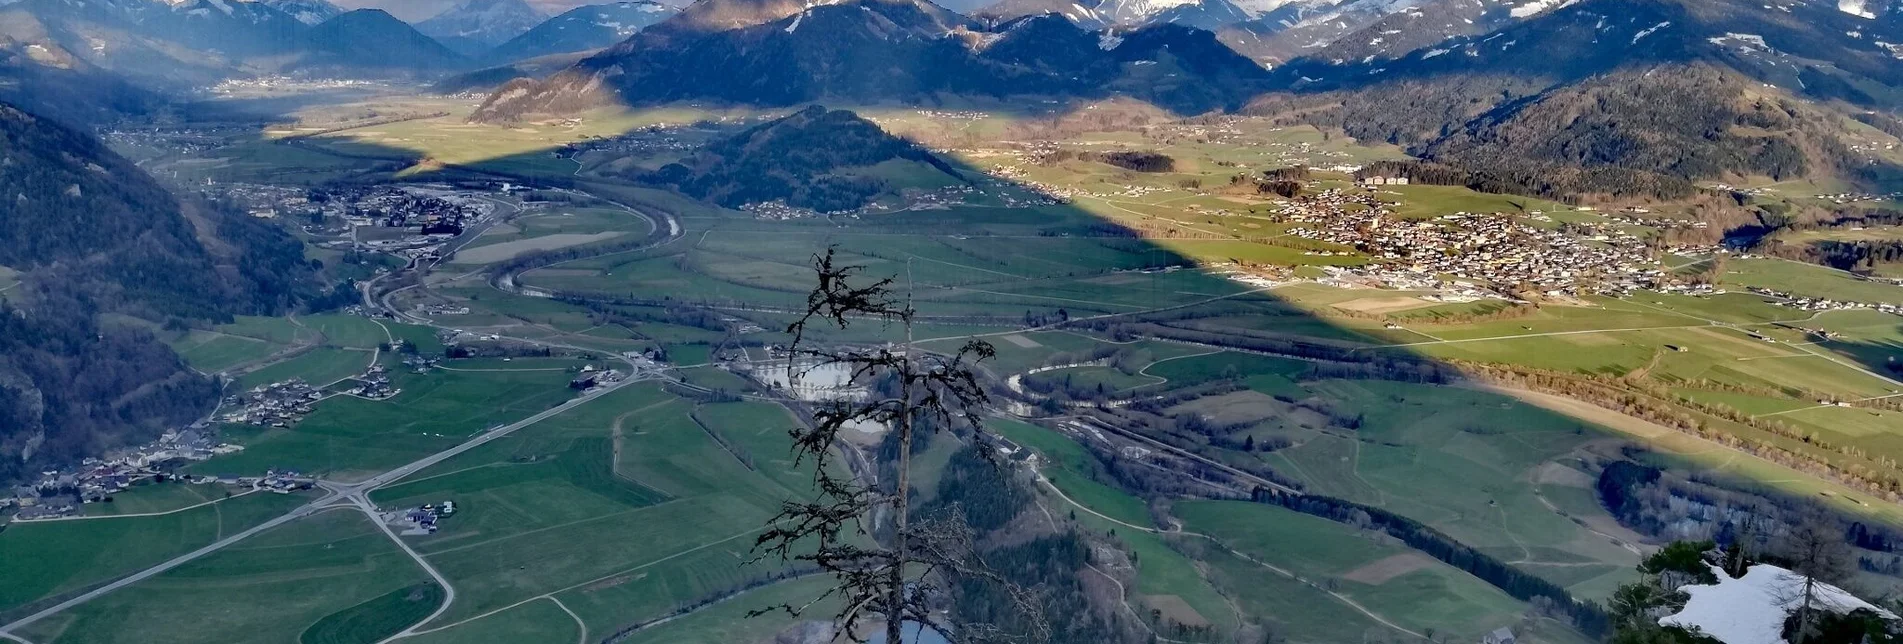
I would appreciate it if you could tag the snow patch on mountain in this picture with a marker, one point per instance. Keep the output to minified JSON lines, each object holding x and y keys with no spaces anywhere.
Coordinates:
{"x":1649,"y":31}
{"x":1856,"y":8}
{"x":1751,"y":609}
{"x":1744,"y":42}
{"x":1538,"y":6}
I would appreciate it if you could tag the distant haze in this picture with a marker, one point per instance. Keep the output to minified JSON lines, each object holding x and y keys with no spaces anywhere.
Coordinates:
{"x":415,"y":10}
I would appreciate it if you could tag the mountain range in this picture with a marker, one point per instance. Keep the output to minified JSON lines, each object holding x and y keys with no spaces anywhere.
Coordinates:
{"x":184,"y":43}
{"x":309,"y":12}
{"x":583,"y":29}
{"x":772,"y":52}
{"x":1632,"y":98}
{"x":473,"y":27}
{"x":1530,"y":96}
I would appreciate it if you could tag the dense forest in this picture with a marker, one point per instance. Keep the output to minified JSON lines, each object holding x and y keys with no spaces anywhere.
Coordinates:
{"x":796,"y":160}
{"x":92,"y":235}
{"x":1135,"y":160}
{"x":1776,"y":225}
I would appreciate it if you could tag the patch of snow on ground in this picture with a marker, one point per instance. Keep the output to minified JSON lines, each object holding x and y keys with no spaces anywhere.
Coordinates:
{"x":1745,"y":41}
{"x":1751,"y":609}
{"x":1537,"y":6}
{"x":1434,"y":52}
{"x":1649,"y":31}
{"x":1855,"y":8}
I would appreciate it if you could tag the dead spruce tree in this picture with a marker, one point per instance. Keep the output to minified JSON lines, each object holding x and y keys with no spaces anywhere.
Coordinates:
{"x":887,"y":564}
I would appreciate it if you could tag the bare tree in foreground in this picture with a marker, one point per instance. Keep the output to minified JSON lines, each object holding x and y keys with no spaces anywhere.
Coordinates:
{"x":1817,"y":553}
{"x":896,"y":581}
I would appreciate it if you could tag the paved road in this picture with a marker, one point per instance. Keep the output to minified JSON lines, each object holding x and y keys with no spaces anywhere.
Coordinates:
{"x":449,"y":591}
{"x":299,"y":513}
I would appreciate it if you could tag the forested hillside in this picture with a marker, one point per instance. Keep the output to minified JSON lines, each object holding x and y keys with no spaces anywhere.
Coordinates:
{"x":92,"y":235}
{"x":800,"y":160}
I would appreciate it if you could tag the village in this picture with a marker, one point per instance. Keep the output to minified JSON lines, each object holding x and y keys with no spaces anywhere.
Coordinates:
{"x":1503,"y":251}
{"x":409,"y":221}
{"x":62,"y":494}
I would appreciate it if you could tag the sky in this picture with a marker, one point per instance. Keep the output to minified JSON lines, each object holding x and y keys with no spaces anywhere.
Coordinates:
{"x":413,"y":10}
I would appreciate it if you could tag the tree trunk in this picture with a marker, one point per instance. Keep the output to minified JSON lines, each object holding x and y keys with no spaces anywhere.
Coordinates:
{"x":895,"y":615}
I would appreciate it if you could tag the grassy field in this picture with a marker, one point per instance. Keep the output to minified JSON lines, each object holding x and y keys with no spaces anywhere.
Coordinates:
{"x":518,"y":148}
{"x":538,"y":621}
{"x":158,"y":497}
{"x":319,"y":366}
{"x":1471,"y":464}
{"x":349,"y":437}
{"x":1807,"y":279}
{"x":551,"y":510}
{"x":372,"y":621}
{"x":1161,"y":570}
{"x":213,"y":352}
{"x":728,"y":621}
{"x":276,"y":587}
{"x":1266,"y":371}
{"x":349,"y":331}
{"x":1405,"y":587}
{"x":1424,"y":594}
{"x":41,"y":560}
{"x":268,"y":329}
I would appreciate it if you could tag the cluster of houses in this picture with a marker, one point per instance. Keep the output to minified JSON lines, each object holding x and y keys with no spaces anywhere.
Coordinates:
{"x":373,"y":384}
{"x":420,"y":521}
{"x":1496,"y":249}
{"x":62,"y":493}
{"x":279,"y":404}
{"x":432,"y":210}
{"x":591,"y":377}
{"x":1808,"y":303}
{"x":652,"y":139}
{"x":274,"y":481}
{"x":435,"y":309}
{"x":420,"y":363}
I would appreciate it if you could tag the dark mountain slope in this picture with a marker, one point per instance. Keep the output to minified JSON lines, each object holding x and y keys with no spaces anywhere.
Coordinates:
{"x":1775,"y":44}
{"x":1642,"y":133}
{"x":1419,"y":27}
{"x":1616,"y":97}
{"x":370,"y":38}
{"x":475,"y":26}
{"x":92,"y":235}
{"x":874,"y":50}
{"x":582,"y":29}
{"x":75,"y":92}
{"x":1080,"y":13}
{"x":160,"y":44}
{"x":806,"y":160}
